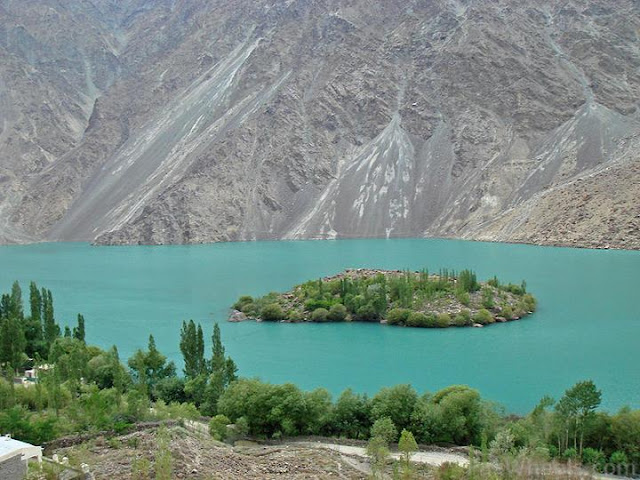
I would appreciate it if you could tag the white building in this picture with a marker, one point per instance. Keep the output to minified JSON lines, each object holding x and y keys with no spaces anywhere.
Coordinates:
{"x":14,"y":456}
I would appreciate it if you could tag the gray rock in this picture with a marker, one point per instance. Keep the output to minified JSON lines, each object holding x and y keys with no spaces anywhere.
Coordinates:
{"x":237,"y":316}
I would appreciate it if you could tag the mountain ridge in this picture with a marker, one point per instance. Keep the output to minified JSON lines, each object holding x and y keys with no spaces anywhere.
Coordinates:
{"x":170,"y":122}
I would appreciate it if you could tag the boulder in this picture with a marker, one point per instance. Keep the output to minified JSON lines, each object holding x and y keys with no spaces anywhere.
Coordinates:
{"x":237,"y":316}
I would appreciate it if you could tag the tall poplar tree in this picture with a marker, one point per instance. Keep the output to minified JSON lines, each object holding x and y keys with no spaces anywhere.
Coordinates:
{"x":79,"y":331}
{"x":51,"y":328}
{"x":35,"y":302}
{"x":192,"y":348}
{"x":16,"y":301}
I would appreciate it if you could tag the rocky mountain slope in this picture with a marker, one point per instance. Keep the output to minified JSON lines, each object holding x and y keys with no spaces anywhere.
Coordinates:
{"x":171,"y":121}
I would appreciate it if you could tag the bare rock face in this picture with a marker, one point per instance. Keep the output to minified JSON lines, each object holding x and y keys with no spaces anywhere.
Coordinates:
{"x":183,"y":122}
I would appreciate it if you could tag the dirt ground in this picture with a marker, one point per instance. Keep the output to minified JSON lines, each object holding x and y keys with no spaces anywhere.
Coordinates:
{"x":197,"y":456}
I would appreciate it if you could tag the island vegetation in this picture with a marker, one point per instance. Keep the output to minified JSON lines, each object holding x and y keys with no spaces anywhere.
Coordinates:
{"x":83,"y":388}
{"x":403,"y":298}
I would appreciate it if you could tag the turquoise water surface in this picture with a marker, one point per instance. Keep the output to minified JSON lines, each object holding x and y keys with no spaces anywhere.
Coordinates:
{"x":587,"y":325}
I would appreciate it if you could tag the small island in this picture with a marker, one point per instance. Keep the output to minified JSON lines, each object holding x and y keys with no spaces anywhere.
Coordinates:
{"x":393,"y":297}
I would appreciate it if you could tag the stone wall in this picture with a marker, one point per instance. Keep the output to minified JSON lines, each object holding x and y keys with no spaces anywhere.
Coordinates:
{"x":13,"y":468}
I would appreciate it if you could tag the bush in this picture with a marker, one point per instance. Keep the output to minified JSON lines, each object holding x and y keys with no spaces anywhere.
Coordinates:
{"x":483,"y":317}
{"x":515,"y":289}
{"x":503,"y":443}
{"x":443,"y":320}
{"x":507,"y":312}
{"x":463,"y":298}
{"x":487,"y":298}
{"x":337,"y":313}
{"x":249,"y":309}
{"x":417,"y":319}
{"x":463,"y":319}
{"x":242,"y":427}
{"x":594,"y":458}
{"x":320,"y":315}
{"x":313,"y":304}
{"x":451,"y":471}
{"x":367,"y":313}
{"x":398,"y":316}
{"x":242,"y":301}
{"x":570,"y":454}
{"x":620,"y":460}
{"x":467,"y":281}
{"x":295,"y":316}
{"x":384,"y":428}
{"x":218,"y":427}
{"x":529,"y":303}
{"x":272,"y":312}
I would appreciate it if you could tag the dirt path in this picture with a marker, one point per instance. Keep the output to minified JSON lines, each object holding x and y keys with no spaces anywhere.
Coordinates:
{"x":430,"y":458}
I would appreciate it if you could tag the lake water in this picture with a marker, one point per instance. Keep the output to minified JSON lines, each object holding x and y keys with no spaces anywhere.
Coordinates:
{"x":587,"y":325}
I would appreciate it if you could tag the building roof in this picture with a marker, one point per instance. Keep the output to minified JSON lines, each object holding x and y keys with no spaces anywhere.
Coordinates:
{"x":10,"y":447}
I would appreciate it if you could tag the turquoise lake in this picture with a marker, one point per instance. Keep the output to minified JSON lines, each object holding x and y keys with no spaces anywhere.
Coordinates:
{"x":587,"y":325}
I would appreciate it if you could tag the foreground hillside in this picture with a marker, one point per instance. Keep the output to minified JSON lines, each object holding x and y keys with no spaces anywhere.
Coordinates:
{"x":178,"y":122}
{"x":197,"y":456}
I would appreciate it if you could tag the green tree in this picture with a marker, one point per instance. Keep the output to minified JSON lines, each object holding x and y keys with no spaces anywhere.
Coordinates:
{"x":51,"y":328}
{"x":12,"y":341}
{"x":106,"y":371}
{"x":577,"y":406}
{"x":16,"y":302}
{"x":378,"y":452}
{"x":223,"y":373}
{"x":79,"y":331}
{"x":426,"y":421}
{"x":397,"y":403}
{"x":467,"y":281}
{"x":35,"y":302}
{"x":150,"y":366}
{"x":384,"y":428}
{"x":350,"y":416}
{"x":407,"y":446}
{"x":218,"y":427}
{"x":192,"y":348}
{"x":461,"y":414}
{"x":625,"y":428}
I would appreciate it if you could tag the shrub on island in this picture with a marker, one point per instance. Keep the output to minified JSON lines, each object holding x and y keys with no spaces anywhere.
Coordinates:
{"x":483,"y":317}
{"x":443,"y":320}
{"x":272,"y":313}
{"x":463,"y":319}
{"x":320,"y":315}
{"x":398,"y":316}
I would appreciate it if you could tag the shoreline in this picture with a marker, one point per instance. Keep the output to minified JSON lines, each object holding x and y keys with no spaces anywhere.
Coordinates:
{"x":551,"y":244}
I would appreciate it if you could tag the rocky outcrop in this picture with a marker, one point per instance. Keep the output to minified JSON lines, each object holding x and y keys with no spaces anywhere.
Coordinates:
{"x":237,"y":316}
{"x":186,"y":122}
